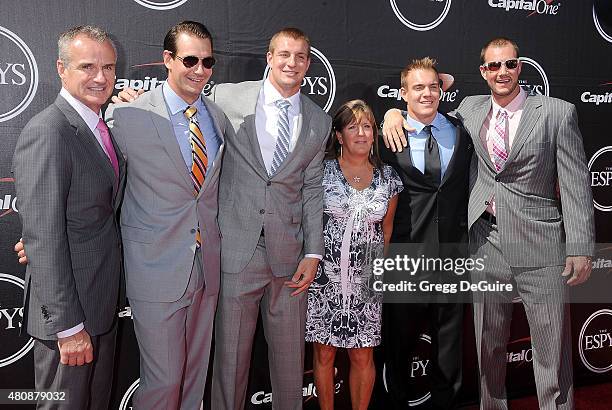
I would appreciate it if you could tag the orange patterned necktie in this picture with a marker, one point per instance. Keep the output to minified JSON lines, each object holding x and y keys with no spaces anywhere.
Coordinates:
{"x":198,"y":156}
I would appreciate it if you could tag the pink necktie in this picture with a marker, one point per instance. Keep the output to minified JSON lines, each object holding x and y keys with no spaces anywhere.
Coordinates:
{"x":108,"y":145}
{"x":500,"y":155}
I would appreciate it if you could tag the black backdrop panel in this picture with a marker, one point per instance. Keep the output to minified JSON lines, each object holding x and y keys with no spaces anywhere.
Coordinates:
{"x":359,"y":49}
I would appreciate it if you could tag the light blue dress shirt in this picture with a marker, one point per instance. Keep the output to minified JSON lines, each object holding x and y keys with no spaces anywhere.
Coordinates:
{"x":180,"y":124}
{"x":445,"y":134}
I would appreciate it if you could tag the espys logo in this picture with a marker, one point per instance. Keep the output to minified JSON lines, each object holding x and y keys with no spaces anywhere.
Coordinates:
{"x":548,"y":7}
{"x":595,"y":342}
{"x":161,"y":4}
{"x":593,"y":97}
{"x":604,"y":27}
{"x":601,"y":178}
{"x":18,"y":75}
{"x":533,"y":78}
{"x":13,"y":346}
{"x":8,"y":202}
{"x":418,"y":372}
{"x":423,"y":14}
{"x":320,"y":80}
{"x":386,"y":91}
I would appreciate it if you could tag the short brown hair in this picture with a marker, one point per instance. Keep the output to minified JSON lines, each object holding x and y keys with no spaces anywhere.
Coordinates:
{"x":192,"y":28}
{"x":348,"y":113}
{"x":294,"y":33}
{"x":498,"y":42}
{"x":425,"y":63}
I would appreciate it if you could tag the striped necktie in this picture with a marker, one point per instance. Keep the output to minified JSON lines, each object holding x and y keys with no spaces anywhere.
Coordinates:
{"x":282,"y":142}
{"x":500,"y":154}
{"x":198,"y":156}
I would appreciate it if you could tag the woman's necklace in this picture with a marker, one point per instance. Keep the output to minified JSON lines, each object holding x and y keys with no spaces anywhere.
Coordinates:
{"x":356,"y":180}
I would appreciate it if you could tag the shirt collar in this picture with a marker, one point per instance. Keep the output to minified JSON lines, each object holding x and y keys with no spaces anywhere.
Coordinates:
{"x":91,"y":118}
{"x":515,"y":105}
{"x":175,"y":103}
{"x":418,"y":126}
{"x":271,"y":95}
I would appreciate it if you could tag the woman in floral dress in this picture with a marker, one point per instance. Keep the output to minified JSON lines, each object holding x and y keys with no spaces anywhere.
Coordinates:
{"x":360,"y":197}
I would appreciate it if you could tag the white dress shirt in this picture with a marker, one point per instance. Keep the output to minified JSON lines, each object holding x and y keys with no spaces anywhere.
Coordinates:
{"x":266,"y":120}
{"x":266,"y":125}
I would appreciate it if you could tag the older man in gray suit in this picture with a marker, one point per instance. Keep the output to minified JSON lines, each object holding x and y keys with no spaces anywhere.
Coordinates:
{"x":68,"y":178}
{"x":173,"y":139}
{"x":271,"y":217}
{"x":531,"y":216}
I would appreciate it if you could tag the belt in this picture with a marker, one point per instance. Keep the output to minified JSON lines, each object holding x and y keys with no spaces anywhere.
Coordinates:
{"x":489,"y":217}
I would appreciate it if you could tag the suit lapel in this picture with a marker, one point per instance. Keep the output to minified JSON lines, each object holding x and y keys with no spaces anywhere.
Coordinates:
{"x":459,"y":147}
{"x":163,"y":125}
{"x":213,"y":163}
{"x":84,"y":134}
{"x":475,"y":127}
{"x":529,"y":118}
{"x":251,"y":130}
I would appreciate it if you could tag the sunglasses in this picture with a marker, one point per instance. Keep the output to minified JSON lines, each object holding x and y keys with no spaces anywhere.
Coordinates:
{"x":192,"y":61}
{"x":496,"y":65}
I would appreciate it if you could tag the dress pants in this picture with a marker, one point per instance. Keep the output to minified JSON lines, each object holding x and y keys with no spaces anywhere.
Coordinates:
{"x":284,"y":318}
{"x":544,"y":294}
{"x":174,"y":341}
{"x":87,"y":386}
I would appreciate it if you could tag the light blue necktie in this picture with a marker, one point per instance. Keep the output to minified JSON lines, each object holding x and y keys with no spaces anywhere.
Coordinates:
{"x":282,"y":142}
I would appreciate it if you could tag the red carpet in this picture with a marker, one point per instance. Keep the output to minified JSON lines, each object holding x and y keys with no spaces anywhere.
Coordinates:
{"x":594,"y":397}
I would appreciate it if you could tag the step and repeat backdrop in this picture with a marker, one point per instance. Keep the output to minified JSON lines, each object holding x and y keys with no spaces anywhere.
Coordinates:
{"x":359,"y":49}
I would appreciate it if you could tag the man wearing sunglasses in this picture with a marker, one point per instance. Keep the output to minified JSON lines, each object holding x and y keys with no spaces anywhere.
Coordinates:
{"x":530,"y":215}
{"x":173,"y":139}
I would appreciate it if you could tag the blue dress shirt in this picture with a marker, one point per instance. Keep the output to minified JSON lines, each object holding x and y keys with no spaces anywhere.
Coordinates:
{"x":180,"y":124}
{"x":445,"y":134}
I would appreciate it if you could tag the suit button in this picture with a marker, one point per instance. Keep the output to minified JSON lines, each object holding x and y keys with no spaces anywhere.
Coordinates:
{"x":436,"y":220}
{"x":497,"y":178}
{"x":269,"y":183}
{"x":193,"y":231}
{"x":262,"y":211}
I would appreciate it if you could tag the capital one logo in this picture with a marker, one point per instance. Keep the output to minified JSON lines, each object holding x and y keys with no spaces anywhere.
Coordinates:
{"x":595,"y":342}
{"x":161,"y":4}
{"x":419,"y":390}
{"x":320,"y":80}
{"x":421,"y":15}
{"x":519,"y":357}
{"x":601,"y":178}
{"x":446,"y":95}
{"x":18,"y":75}
{"x":13,"y":346}
{"x":548,"y":7}
{"x":603,"y":28}
{"x":533,"y":78}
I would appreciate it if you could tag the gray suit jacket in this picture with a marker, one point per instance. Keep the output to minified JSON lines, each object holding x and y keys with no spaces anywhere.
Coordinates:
{"x":288,"y":205}
{"x":160,"y":214}
{"x":67,"y":194}
{"x":536,"y":227}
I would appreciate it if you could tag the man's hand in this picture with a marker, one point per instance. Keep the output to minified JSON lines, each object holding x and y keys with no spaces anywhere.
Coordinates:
{"x":303,"y":276}
{"x":76,"y":350}
{"x":393,"y":130}
{"x":127,"y":95}
{"x":23,"y":259}
{"x":579,"y":267}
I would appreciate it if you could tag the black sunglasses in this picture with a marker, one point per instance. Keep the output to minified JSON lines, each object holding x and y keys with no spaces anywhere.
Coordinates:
{"x":192,"y":61}
{"x":496,"y":65}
